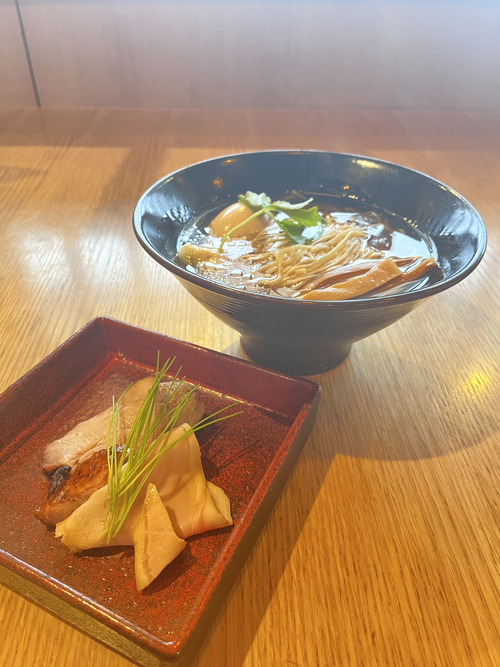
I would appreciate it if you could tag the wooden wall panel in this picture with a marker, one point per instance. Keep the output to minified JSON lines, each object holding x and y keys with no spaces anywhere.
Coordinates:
{"x":265,"y":53}
{"x":16,"y":89}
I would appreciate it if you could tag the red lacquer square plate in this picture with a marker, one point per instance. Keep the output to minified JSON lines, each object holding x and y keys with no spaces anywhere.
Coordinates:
{"x":250,"y":456}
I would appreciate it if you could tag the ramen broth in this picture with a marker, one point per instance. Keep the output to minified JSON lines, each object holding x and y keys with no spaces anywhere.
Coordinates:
{"x":240,"y":264}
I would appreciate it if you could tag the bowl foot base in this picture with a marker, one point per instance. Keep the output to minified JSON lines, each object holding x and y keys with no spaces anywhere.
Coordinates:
{"x":294,"y":359}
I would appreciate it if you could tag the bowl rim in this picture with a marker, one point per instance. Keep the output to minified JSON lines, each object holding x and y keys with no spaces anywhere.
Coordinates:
{"x":348,"y":304}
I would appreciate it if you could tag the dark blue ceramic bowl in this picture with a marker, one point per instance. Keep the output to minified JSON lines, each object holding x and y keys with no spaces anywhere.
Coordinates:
{"x":308,"y":337}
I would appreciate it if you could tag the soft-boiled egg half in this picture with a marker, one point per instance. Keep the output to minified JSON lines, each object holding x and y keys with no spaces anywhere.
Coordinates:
{"x":235,"y":215}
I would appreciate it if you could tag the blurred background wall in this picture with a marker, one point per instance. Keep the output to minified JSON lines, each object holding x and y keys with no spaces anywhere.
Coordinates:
{"x":250,"y":53}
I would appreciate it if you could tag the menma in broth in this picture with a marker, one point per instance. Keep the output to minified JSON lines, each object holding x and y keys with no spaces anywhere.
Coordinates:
{"x":343,"y":259}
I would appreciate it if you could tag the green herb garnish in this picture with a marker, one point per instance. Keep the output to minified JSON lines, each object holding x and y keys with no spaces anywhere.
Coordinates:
{"x":146,"y":444}
{"x":301,"y":225}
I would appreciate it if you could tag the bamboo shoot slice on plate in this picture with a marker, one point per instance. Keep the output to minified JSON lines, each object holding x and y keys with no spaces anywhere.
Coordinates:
{"x":194,"y":504}
{"x":156,"y":543}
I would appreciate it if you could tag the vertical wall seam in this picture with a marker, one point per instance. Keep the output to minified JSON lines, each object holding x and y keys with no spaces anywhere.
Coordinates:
{"x":28,"y":56}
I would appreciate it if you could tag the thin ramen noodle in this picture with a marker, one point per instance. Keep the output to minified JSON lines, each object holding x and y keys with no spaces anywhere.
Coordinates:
{"x":267,"y":261}
{"x":284,"y":265}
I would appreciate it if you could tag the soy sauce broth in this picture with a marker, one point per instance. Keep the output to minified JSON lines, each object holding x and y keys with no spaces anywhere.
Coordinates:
{"x":388,"y":233}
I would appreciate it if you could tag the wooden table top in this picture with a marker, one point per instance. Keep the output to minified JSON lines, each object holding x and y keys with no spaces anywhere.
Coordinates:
{"x":384,"y":546}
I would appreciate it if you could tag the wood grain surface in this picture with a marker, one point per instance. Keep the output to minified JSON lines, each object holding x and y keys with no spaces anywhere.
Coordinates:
{"x":384,"y":546}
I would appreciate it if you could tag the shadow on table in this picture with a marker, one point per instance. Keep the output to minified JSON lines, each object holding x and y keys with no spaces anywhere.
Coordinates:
{"x":380,"y":404}
{"x":234,"y":630}
{"x":383,"y":403}
{"x":388,"y":408}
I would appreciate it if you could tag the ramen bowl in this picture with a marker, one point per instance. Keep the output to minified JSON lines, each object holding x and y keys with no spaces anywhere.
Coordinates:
{"x":298,"y":336}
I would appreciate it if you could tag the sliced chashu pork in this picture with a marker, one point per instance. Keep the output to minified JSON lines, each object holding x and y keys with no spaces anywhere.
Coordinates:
{"x":71,"y":487}
{"x":173,"y":392}
{"x":193,"y":504}
{"x":82,"y":471}
{"x":92,"y":433}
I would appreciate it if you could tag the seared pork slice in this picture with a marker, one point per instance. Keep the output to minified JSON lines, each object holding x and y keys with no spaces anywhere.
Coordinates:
{"x":71,"y":487}
{"x":173,"y":392}
{"x":194,"y":505}
{"x":90,"y":471}
{"x":192,"y":412}
{"x":93,"y":433}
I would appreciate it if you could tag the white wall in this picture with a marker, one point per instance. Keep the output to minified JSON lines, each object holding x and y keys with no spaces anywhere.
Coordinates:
{"x":255,"y":53}
{"x":15,"y":83}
